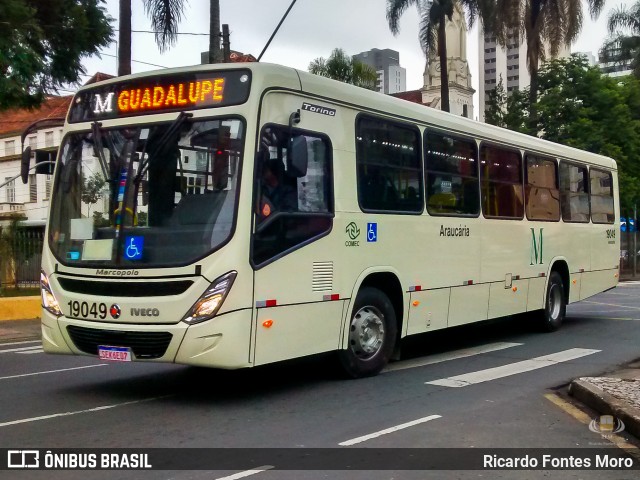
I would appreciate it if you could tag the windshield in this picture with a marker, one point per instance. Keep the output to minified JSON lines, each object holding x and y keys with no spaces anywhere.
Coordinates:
{"x":146,"y":196}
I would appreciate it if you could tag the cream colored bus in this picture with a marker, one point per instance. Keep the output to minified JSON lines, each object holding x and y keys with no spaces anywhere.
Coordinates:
{"x":237,"y":215}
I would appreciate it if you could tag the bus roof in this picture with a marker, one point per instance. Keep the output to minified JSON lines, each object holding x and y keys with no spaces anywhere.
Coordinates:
{"x":374,"y":102}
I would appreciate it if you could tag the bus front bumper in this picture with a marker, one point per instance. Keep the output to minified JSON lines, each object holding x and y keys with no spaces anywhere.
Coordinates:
{"x":222,"y":342}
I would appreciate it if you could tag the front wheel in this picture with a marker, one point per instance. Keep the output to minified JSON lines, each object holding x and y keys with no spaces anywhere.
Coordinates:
{"x":555,"y":304}
{"x":372,"y":334}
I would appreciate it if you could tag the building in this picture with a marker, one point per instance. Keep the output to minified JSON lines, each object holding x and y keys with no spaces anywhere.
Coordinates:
{"x":508,"y":64}
{"x":392,"y":78}
{"x":30,"y":200}
{"x":614,"y":68}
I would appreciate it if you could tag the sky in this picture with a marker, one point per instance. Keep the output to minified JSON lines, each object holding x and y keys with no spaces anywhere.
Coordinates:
{"x":312,"y":29}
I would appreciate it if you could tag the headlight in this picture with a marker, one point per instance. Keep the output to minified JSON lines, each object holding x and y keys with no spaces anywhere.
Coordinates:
{"x":211,"y":300}
{"x":49,"y":301}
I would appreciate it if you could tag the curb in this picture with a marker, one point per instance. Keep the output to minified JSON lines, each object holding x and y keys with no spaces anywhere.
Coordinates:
{"x":607,"y":404}
{"x":20,"y":308}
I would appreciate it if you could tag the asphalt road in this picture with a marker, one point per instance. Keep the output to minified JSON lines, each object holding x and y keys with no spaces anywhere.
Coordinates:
{"x":480,"y":386}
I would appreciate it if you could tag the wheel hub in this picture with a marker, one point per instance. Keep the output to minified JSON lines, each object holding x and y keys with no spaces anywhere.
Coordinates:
{"x":367,"y":332}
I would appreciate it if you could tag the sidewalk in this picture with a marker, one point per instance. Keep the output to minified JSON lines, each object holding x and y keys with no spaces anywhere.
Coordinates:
{"x":616,"y":394}
{"x":19,"y":330}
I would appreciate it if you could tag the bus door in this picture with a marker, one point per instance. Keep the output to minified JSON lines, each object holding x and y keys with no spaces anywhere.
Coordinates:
{"x":291,"y":249}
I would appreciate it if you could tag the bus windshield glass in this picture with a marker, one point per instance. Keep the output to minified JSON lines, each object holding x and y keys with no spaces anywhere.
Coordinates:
{"x":146,"y":195}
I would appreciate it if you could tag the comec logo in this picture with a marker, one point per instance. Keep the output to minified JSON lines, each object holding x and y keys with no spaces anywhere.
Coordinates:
{"x":353,"y":232}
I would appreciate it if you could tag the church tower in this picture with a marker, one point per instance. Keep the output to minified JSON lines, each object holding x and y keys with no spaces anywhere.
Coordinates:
{"x":460,"y":90}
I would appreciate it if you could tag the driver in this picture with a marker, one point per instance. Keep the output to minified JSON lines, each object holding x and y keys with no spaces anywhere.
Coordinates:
{"x":276,"y":195}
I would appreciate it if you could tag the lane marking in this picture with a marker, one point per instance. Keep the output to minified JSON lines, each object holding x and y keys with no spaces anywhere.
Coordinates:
{"x":582,"y":417}
{"x":40,"y":350}
{"x":610,"y":305}
{"x":52,"y":371}
{"x":247,"y":473}
{"x":512,"y":368}
{"x":21,"y":349}
{"x":628,"y":284}
{"x":446,"y":356}
{"x":364,"y":438}
{"x":77,"y":412}
{"x":20,"y":343}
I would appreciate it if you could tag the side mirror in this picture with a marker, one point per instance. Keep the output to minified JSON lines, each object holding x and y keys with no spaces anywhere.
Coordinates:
{"x":297,"y":157}
{"x":25,"y":164}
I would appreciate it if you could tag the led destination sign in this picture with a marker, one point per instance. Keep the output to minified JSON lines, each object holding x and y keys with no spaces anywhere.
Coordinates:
{"x":161,"y":94}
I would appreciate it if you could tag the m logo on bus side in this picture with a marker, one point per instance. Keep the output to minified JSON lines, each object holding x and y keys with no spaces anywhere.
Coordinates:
{"x":536,"y":248}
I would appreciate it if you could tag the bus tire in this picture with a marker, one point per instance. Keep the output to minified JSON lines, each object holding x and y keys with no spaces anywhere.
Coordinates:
{"x":372,"y":334}
{"x":555,"y":304}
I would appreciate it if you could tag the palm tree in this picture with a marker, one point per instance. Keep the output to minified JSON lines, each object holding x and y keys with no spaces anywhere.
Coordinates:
{"x":433,"y":38}
{"x":165,"y":15}
{"x":340,"y":66}
{"x":627,"y":47}
{"x":543,"y":24}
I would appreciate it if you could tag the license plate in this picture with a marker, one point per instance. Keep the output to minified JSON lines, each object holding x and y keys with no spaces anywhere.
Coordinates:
{"x":114,"y":354}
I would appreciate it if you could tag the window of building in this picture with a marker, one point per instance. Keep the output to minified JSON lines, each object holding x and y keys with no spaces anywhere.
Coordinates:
{"x":574,"y":198}
{"x":47,"y":187}
{"x":33,"y":142}
{"x":501,"y":182}
{"x":389,"y":167}
{"x":542,"y":193}
{"x":10,"y":188}
{"x":33,"y":188}
{"x":601,"y":196}
{"x":294,"y":192}
{"x":9,"y":147}
{"x":48,"y":139}
{"x":451,"y":168}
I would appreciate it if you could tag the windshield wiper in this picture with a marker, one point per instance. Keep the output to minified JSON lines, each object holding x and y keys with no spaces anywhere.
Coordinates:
{"x":98,"y":149}
{"x":161,"y":143}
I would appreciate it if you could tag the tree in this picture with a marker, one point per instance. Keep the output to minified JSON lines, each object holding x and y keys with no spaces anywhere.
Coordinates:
{"x":543,"y":24}
{"x":165,"y":15}
{"x":624,"y":47}
{"x":42,"y":44}
{"x":580,"y":107}
{"x":92,"y":190}
{"x":433,"y":39}
{"x":340,"y":66}
{"x":508,"y":110}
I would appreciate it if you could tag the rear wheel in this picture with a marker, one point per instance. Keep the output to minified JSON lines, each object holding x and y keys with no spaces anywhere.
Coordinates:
{"x":555,"y":304}
{"x":372,"y":334}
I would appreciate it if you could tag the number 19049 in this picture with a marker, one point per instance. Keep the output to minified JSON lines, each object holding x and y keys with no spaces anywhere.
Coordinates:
{"x":85,"y":309}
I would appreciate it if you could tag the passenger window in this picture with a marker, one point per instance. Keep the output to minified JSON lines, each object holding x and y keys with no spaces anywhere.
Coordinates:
{"x":501,"y":182}
{"x":389,"y":169}
{"x":293,"y":192}
{"x":601,"y":193}
{"x":542,"y":194}
{"x":574,"y":197}
{"x":451,"y":175}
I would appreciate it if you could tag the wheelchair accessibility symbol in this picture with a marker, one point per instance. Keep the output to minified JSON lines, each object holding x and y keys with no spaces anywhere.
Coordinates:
{"x":133,"y":249}
{"x":372,"y":232}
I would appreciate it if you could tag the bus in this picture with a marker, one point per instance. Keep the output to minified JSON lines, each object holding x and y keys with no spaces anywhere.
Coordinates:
{"x":232,"y":216}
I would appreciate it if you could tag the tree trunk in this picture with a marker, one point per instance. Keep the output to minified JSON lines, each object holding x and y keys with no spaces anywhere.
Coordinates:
{"x":215,"y":54}
{"x":534,"y":44}
{"x":124,"y":38}
{"x":444,"y":74}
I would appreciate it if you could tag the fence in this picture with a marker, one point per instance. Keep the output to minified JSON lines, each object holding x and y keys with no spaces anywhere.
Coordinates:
{"x":20,"y":256}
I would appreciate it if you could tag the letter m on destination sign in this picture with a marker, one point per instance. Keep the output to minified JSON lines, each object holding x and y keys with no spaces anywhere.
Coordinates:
{"x":536,"y":248}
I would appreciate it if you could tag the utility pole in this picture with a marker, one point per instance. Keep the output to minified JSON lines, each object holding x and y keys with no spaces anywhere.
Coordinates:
{"x":226,"y":43}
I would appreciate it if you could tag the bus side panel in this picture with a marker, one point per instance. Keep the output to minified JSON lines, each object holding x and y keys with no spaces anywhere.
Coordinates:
{"x":431,"y":311}
{"x":596,"y":282}
{"x":508,"y":300}
{"x":297,"y":330}
{"x":468,"y":304}
{"x":575,"y":287}
{"x":536,"y":293}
